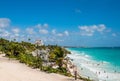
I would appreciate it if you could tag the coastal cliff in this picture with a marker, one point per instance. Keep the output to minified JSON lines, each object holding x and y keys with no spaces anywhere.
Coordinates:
{"x":50,"y":59}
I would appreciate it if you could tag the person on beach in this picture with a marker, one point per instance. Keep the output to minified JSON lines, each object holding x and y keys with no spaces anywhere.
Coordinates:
{"x":75,"y":71}
{"x":104,"y":71}
{"x":115,"y":71}
{"x":99,"y":73}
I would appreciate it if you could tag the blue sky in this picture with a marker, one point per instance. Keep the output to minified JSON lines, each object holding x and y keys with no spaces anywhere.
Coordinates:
{"x":63,"y":22}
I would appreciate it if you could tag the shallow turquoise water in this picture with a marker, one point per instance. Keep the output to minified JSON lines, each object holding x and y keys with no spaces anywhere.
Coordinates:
{"x":103,"y":60}
{"x":111,"y":55}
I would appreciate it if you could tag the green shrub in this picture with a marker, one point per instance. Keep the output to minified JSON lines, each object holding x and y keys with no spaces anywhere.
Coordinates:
{"x":30,"y":60}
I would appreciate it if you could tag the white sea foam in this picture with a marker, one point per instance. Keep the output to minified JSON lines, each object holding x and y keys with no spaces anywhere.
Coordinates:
{"x":98,"y":71}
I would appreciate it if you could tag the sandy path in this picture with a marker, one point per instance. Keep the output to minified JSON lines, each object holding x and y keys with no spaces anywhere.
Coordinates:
{"x":11,"y":70}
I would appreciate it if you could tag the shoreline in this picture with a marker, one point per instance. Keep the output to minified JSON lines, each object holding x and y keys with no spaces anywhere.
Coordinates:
{"x":83,"y":72}
{"x":88,"y":67}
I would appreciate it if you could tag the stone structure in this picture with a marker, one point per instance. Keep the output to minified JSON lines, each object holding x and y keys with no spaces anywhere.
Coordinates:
{"x":39,"y":43}
{"x":41,"y":53}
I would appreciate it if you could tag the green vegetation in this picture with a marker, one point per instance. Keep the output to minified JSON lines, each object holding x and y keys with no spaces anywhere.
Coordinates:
{"x":22,"y":51}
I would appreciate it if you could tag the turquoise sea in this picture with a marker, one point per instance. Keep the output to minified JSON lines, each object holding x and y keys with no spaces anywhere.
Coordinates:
{"x":104,"y":63}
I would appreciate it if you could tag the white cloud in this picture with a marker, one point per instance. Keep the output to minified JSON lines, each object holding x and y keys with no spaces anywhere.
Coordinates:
{"x":1,"y":30}
{"x":53,"y":31}
{"x":16,"y":30}
{"x":89,"y":30}
{"x":88,"y":33}
{"x":108,"y":30}
{"x":101,"y":27}
{"x":45,"y":25}
{"x":41,"y":26}
{"x":17,"y":35}
{"x":114,"y":34}
{"x":4,"y":22}
{"x":60,"y":34}
{"x":30,"y":30}
{"x":4,"y":33}
{"x":38,"y":26}
{"x":43,"y":31}
{"x":66,"y":33}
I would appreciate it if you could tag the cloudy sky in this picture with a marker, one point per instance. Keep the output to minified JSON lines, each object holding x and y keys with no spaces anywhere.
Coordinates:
{"x":63,"y":22}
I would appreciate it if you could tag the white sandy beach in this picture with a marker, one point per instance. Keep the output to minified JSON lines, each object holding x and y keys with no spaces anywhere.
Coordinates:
{"x":12,"y":70}
{"x":93,"y":69}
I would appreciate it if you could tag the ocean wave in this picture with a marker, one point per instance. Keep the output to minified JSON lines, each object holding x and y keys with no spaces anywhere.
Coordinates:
{"x":102,"y":70}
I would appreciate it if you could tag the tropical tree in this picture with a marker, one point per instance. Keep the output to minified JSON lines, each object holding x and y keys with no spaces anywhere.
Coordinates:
{"x":29,"y":39}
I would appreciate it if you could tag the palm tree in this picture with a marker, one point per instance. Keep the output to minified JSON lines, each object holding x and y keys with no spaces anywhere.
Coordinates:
{"x":14,"y":39}
{"x":29,"y":39}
